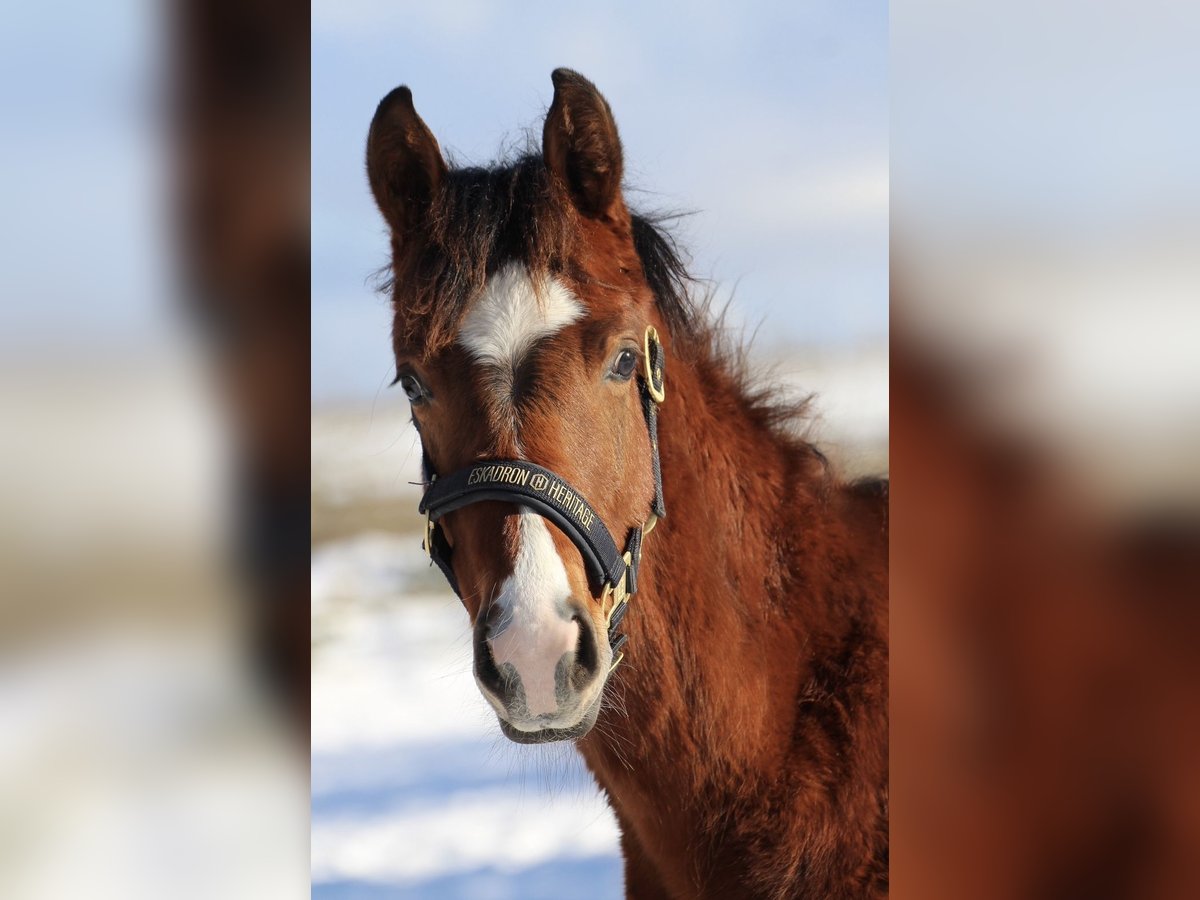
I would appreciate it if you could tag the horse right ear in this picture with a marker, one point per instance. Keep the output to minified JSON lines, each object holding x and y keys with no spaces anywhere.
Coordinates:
{"x":404,"y":163}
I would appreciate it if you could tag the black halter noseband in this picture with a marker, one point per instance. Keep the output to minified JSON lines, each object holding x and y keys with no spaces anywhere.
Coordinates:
{"x":550,"y":496}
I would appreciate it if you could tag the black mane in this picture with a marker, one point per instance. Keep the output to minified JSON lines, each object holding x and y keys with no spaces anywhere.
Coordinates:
{"x":668,"y":277}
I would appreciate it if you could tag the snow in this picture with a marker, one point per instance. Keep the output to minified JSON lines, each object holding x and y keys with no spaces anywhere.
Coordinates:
{"x":460,"y":833}
{"x":414,"y":790}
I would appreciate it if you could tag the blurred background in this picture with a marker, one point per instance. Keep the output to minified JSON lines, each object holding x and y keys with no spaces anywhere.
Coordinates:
{"x":769,"y":123}
{"x":153,"y":453}
{"x":1045,"y":409}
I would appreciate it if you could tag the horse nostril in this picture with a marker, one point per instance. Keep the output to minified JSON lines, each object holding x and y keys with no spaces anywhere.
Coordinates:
{"x":485,"y":667}
{"x":494,"y":621}
{"x":587,"y":660}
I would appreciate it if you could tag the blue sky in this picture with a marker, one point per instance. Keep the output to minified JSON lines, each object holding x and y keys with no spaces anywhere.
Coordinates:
{"x":83,"y":202}
{"x":770,"y":122}
{"x":1063,"y":121}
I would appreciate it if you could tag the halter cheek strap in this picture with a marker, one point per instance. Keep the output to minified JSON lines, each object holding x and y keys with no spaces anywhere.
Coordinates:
{"x":541,"y":490}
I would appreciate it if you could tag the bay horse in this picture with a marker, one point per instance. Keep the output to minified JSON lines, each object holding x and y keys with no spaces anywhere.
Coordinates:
{"x":726,"y":680}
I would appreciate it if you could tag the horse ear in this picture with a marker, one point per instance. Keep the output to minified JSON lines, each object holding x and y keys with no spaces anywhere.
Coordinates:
{"x":580,"y":144}
{"x":404,"y":163}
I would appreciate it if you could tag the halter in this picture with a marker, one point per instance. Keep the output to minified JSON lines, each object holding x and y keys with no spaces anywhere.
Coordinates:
{"x":552,"y":497}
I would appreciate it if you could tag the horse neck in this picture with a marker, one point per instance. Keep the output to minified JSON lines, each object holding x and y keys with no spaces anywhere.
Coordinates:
{"x":714,"y":659}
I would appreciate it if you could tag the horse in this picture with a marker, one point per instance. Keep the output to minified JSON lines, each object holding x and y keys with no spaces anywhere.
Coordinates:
{"x":725,"y":677}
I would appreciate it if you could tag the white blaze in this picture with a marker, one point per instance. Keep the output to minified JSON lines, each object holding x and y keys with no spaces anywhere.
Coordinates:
{"x":536,"y":630}
{"x":513,"y":314}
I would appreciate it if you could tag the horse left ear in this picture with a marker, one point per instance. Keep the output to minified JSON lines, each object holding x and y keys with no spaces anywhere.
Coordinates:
{"x":580,"y":144}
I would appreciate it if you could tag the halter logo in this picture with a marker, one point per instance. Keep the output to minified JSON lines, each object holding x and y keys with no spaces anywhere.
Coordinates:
{"x":557,"y":492}
{"x":500,"y":473}
{"x":571,"y":503}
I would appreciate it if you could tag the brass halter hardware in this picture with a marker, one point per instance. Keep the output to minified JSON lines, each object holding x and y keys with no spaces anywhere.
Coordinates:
{"x":619,"y":596}
{"x":654,"y":376}
{"x":429,"y":526}
{"x":656,"y":388}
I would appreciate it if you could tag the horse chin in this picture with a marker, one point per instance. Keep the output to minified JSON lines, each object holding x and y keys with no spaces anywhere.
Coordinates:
{"x":550,"y":735}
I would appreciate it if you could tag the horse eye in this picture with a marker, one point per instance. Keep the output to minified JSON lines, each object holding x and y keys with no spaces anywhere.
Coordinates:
{"x":413,"y":389}
{"x":624,"y":365}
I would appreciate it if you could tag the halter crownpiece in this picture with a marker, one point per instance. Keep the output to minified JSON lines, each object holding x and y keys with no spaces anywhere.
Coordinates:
{"x":552,"y":497}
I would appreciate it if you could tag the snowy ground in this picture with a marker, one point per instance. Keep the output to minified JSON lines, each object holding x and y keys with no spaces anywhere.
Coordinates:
{"x":415,"y":793}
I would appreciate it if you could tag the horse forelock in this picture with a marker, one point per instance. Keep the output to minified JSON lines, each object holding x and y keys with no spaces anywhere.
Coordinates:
{"x":486,"y":218}
{"x":482,"y":219}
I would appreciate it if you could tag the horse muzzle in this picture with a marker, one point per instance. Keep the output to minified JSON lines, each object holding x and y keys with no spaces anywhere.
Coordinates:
{"x":543,"y":678}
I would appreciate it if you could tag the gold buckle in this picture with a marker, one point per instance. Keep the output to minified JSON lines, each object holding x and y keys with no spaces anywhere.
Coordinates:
{"x":429,"y":524}
{"x":654,"y":378}
{"x":620,"y":593}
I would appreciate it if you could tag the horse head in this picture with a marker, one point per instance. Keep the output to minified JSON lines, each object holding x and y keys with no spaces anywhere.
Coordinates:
{"x":522,"y":323}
